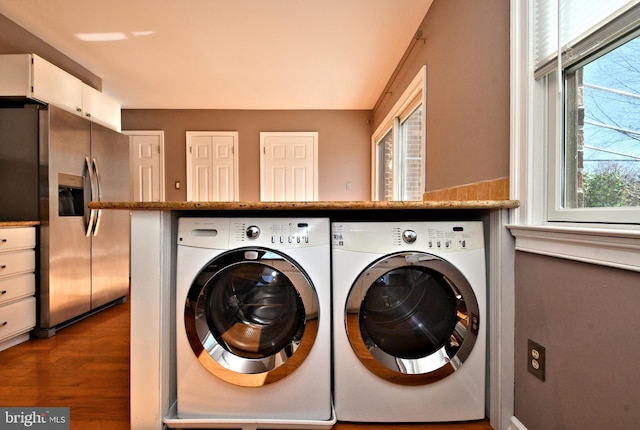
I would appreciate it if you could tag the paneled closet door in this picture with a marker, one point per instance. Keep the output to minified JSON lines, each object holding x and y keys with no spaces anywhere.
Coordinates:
{"x":289,"y":166}
{"x":212,"y":166}
{"x":146,"y":155}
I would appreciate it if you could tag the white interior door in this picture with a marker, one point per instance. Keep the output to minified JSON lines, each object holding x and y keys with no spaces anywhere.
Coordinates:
{"x":212,"y":166}
{"x":289,"y":166}
{"x":146,"y":149}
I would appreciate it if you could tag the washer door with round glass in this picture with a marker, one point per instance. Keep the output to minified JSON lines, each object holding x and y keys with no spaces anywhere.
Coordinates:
{"x":412,"y":318}
{"x":251,"y":316}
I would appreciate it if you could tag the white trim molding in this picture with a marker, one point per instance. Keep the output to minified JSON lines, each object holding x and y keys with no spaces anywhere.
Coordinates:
{"x":501,"y":321}
{"x":515,"y":424}
{"x":606,"y":247}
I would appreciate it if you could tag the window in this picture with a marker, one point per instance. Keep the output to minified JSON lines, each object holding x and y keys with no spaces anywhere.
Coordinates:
{"x":602,"y":130}
{"x":592,"y":112}
{"x":570,"y":123}
{"x":384,"y":168}
{"x":399,"y":147}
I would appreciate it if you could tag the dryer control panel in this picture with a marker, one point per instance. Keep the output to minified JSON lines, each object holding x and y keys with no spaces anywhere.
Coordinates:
{"x":383,"y":237}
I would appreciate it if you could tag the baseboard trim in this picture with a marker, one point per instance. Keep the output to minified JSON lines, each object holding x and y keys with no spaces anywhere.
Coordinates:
{"x":515,"y":424}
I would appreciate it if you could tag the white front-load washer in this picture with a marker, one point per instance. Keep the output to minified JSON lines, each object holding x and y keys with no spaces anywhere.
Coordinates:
{"x":253,"y":325}
{"x":409,"y":306}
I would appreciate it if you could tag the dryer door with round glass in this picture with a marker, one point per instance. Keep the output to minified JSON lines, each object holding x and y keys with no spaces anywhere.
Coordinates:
{"x":251,"y":316}
{"x":412,"y":318}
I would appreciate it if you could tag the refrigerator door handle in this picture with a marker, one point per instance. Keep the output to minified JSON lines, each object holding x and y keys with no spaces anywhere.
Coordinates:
{"x":89,"y":223}
{"x":99,"y":189}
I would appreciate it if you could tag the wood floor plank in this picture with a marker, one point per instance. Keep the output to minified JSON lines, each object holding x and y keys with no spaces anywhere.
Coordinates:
{"x":86,"y":367}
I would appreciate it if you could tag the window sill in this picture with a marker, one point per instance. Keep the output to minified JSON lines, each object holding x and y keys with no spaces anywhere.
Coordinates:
{"x":613,"y":248}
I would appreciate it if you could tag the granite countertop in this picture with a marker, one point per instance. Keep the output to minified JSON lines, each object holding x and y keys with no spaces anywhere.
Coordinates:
{"x":328,"y":205}
{"x":19,"y":223}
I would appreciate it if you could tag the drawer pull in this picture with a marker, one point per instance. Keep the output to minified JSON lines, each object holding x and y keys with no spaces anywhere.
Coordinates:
{"x":3,"y":324}
{"x":4,"y":266}
{"x":3,"y":240}
{"x":3,"y":292}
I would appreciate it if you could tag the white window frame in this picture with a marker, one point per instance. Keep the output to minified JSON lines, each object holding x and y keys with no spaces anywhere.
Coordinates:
{"x":534,"y":171}
{"x":554,"y":137}
{"x":405,"y":105}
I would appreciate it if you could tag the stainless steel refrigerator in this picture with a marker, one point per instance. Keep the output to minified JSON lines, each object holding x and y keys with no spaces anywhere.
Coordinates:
{"x":52,"y":163}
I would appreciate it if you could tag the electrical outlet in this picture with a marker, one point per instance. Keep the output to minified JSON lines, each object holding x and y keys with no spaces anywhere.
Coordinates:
{"x":536,"y":358}
{"x":177,"y":185}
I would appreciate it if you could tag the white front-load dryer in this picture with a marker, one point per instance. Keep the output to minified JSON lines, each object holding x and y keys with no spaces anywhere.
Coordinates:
{"x":253,"y":339}
{"x":409,"y":303}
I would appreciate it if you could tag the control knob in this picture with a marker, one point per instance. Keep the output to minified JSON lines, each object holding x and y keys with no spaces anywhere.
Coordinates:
{"x":409,"y":236}
{"x":253,"y":231}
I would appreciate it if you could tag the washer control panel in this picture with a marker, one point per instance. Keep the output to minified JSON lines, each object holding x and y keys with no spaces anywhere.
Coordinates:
{"x":230,"y":233}
{"x":279,"y":232}
{"x":298,"y":233}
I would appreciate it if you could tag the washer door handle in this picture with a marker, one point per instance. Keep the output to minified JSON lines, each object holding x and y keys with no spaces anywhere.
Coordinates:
{"x":416,"y":258}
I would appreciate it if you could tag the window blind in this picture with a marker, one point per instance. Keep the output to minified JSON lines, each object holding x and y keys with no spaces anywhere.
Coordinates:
{"x":583,"y":25}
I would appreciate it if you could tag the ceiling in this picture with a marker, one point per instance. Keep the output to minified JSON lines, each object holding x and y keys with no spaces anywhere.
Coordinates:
{"x":230,"y":54}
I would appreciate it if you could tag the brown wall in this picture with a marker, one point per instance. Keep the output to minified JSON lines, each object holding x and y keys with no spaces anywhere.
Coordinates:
{"x":586,"y":317}
{"x":466,"y":51}
{"x":343,"y":145}
{"x":16,"y":40}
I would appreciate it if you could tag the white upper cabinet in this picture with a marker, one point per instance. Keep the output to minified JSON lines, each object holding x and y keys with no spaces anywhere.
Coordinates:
{"x":28,"y":75}
{"x":100,"y":108}
{"x":53,"y":85}
{"x":15,"y":75}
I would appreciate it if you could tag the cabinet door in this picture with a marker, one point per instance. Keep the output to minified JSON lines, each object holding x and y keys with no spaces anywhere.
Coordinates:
{"x":15,"y":76}
{"x":15,"y":238}
{"x":53,"y":85}
{"x":17,"y":318}
{"x":16,"y":287}
{"x":12,"y":263}
{"x":100,"y":108}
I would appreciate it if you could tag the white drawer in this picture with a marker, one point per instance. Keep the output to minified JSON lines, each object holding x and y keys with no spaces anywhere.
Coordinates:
{"x":17,"y":238}
{"x":17,"y":317}
{"x":17,"y":262}
{"x":15,"y":287}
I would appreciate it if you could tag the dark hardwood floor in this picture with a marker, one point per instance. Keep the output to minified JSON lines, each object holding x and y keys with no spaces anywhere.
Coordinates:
{"x":86,"y":367}
{"x":475,"y":425}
